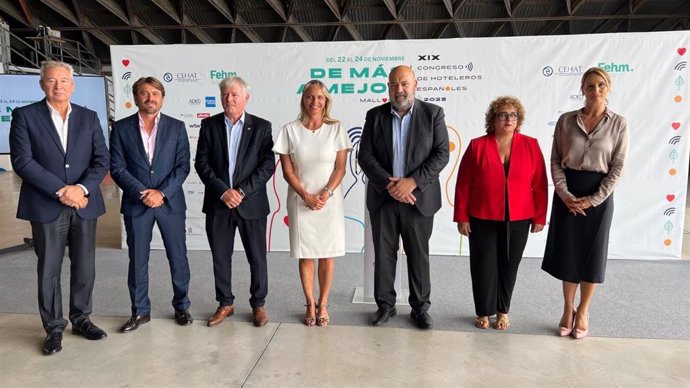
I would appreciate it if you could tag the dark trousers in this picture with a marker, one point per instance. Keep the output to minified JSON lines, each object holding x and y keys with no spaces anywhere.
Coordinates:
{"x":220,"y":229}
{"x":50,"y":241}
{"x":139,"y":233}
{"x":495,"y":253}
{"x":391,"y":221}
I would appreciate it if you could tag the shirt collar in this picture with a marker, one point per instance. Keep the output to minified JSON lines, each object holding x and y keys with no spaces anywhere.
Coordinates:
{"x":393,"y":111}
{"x":230,"y":124}
{"x":54,"y":111}
{"x":155,"y":121}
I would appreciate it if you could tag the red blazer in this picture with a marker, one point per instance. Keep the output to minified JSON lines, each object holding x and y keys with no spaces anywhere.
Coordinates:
{"x":481,"y":185}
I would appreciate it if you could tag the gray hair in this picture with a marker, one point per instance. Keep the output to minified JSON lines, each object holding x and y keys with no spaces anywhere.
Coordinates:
{"x":229,"y":81}
{"x":47,"y":65}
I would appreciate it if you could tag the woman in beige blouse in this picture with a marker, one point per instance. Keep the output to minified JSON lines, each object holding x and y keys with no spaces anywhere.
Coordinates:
{"x":590,"y":146}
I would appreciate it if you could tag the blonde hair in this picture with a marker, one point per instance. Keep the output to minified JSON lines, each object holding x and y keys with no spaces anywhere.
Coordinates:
{"x":326,"y":114}
{"x":596,"y":71}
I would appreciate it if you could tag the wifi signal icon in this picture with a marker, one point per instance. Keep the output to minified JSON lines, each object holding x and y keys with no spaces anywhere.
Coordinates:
{"x":354,"y":134}
{"x":127,"y":75}
{"x":470,"y":66}
{"x":674,"y":140}
{"x":680,"y":65}
{"x":670,"y":211}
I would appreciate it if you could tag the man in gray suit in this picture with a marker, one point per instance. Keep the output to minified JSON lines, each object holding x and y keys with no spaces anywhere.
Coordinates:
{"x":404,"y":147}
{"x":58,"y":149}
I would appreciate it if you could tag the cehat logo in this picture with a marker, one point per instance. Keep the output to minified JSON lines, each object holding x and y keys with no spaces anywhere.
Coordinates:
{"x":167,"y":77}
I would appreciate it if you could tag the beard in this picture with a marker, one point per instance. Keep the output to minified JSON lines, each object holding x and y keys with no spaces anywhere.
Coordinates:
{"x":402,"y":102}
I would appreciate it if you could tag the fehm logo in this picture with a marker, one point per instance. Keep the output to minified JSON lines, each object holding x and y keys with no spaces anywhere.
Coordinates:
{"x":220,"y":74}
{"x":210,"y":101}
{"x":615,"y":67}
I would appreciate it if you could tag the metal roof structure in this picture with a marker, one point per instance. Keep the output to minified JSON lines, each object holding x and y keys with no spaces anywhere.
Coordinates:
{"x":97,"y":24}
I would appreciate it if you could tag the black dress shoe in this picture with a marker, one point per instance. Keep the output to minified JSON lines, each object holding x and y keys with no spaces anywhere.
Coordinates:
{"x":134,"y":322}
{"x":88,"y":330}
{"x":383,"y":315}
{"x":422,"y":319}
{"x":183,"y":317}
{"x":52,"y":344}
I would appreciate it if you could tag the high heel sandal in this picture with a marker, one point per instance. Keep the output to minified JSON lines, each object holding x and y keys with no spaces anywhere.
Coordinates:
{"x":581,"y":333}
{"x":322,"y":321}
{"x":481,"y":322}
{"x":502,"y":322}
{"x":564,"y":331}
{"x":309,"y":320}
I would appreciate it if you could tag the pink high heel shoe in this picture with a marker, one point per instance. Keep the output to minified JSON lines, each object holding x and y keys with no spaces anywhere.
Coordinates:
{"x":564,"y":331}
{"x":578,"y":333}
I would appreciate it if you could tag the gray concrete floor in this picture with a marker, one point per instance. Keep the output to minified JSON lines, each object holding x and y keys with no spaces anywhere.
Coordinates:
{"x":236,"y":354}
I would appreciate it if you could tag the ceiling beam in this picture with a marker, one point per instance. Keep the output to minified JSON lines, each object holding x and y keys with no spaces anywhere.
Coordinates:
{"x":287,"y":16}
{"x":390,"y":4}
{"x":577,"y":5}
{"x":636,"y":4}
{"x":169,"y":9}
{"x":459,"y":30}
{"x":406,"y":31}
{"x":341,"y":14}
{"x":236,"y":19}
{"x":240,"y":24}
{"x":62,"y":9}
{"x":449,"y":7}
{"x":115,"y":9}
{"x":458,"y":5}
{"x":23,"y":16}
{"x":509,"y":10}
{"x":334,"y":7}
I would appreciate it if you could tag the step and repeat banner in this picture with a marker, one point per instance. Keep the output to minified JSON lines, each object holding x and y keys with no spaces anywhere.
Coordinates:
{"x":650,"y":88}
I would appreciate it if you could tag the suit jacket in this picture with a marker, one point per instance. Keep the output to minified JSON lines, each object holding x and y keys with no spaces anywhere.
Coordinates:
{"x":132,"y":171}
{"x":480,"y":190}
{"x":255,"y":164}
{"x":39,"y":159}
{"x":427,"y":154}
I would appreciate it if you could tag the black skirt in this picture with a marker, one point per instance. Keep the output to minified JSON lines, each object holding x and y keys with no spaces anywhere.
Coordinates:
{"x":577,"y":246}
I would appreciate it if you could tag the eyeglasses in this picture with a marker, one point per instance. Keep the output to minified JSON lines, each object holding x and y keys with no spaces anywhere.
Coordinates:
{"x":512,"y":116}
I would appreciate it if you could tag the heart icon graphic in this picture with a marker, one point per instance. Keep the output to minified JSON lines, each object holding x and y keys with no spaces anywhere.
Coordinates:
{"x":681,"y":51}
{"x":125,"y":62}
{"x":675,"y":125}
{"x":385,"y":99}
{"x":670,"y":197}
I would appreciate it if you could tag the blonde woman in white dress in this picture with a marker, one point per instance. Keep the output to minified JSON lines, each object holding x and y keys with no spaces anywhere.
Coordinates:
{"x":313,"y":153}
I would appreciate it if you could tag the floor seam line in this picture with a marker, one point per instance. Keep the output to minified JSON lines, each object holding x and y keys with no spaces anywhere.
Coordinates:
{"x":261,"y":355}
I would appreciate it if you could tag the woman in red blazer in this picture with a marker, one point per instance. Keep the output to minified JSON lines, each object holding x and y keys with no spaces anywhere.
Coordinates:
{"x":501,"y":193}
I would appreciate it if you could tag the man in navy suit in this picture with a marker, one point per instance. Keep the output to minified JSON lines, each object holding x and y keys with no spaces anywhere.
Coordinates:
{"x":234,"y":160}
{"x":403,"y":149}
{"x":149,"y":155}
{"x":59,"y":151}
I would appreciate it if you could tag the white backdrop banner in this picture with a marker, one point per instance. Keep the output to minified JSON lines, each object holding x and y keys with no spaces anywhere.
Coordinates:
{"x":650,"y":88}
